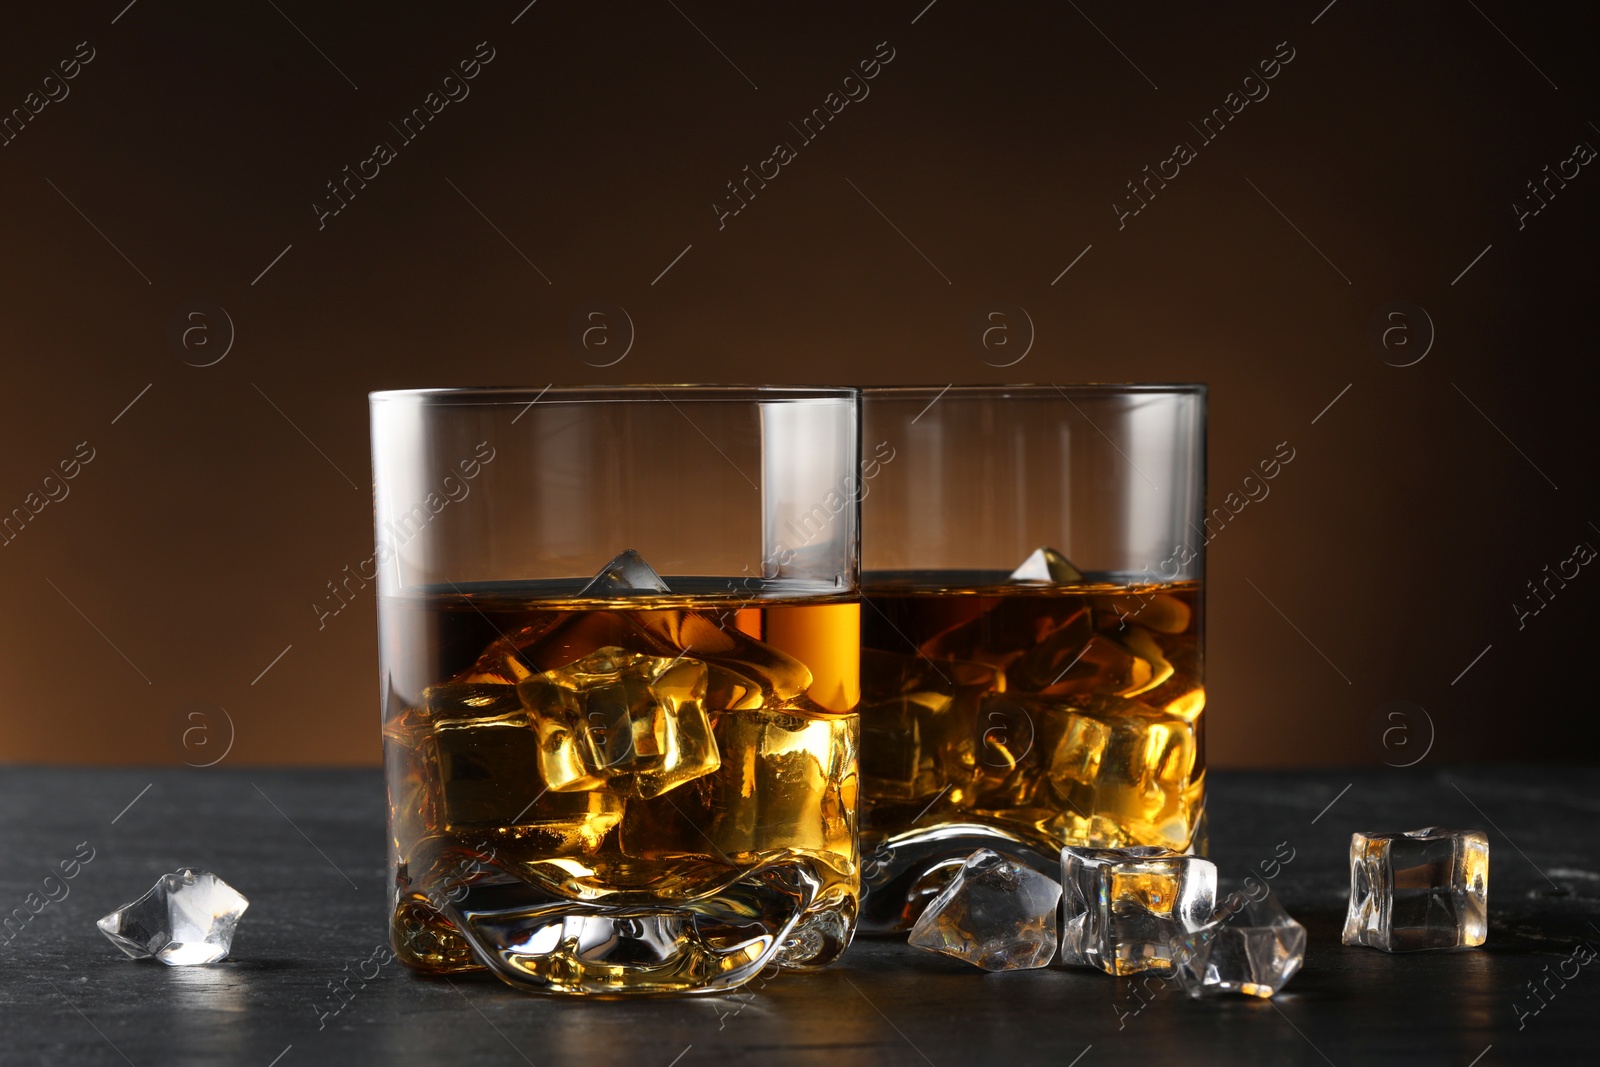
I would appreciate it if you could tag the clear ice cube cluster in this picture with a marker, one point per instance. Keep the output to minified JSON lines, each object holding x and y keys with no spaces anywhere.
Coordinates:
{"x":1123,"y":911}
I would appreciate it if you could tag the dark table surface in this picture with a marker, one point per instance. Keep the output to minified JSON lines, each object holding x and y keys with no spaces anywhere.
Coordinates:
{"x":306,"y":846}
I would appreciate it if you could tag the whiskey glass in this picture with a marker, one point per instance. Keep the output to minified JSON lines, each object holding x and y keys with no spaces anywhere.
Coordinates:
{"x":620,"y":636}
{"x":1033,"y":629}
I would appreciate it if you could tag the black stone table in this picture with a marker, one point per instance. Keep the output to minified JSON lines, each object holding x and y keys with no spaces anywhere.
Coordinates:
{"x":306,"y":846}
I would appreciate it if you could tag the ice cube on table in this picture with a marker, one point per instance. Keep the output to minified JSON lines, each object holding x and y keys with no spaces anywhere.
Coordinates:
{"x":1420,"y":889}
{"x":1047,"y":565}
{"x":1251,"y":946}
{"x":901,"y":875}
{"x":621,"y":722}
{"x":995,"y":914}
{"x":1124,"y":908}
{"x":187,"y":917}
{"x":626,"y":575}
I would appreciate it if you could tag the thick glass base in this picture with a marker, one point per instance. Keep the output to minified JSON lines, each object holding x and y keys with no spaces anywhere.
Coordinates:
{"x":782,"y":914}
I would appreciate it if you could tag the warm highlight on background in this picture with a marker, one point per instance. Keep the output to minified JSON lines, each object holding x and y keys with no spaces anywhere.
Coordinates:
{"x":1370,"y":234}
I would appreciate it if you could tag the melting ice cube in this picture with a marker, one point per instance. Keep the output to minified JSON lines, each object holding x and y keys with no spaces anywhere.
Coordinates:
{"x":626,"y":575}
{"x":187,"y":917}
{"x":1250,"y":946}
{"x":1123,"y":909}
{"x":995,"y":914}
{"x":1047,"y":565}
{"x":1419,"y":889}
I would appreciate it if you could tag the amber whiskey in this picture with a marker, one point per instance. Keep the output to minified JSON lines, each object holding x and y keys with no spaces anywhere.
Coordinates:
{"x":627,"y":794}
{"x":1051,"y":714}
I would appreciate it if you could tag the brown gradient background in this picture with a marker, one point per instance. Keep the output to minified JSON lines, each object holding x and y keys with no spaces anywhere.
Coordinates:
{"x":997,"y":139}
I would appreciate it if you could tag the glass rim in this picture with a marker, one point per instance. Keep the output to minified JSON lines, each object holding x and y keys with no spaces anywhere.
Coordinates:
{"x":1033,"y":390}
{"x":590,"y":394}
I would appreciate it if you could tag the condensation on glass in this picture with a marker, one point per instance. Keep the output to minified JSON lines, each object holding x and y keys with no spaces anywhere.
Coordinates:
{"x":620,"y":637}
{"x":1033,"y":639}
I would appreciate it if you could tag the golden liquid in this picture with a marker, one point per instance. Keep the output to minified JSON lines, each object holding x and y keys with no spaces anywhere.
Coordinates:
{"x":629,"y":752}
{"x":1065,"y":715}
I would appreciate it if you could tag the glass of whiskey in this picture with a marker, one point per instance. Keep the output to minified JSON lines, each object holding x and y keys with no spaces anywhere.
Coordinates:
{"x":1032,"y":639}
{"x":620,"y":647}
